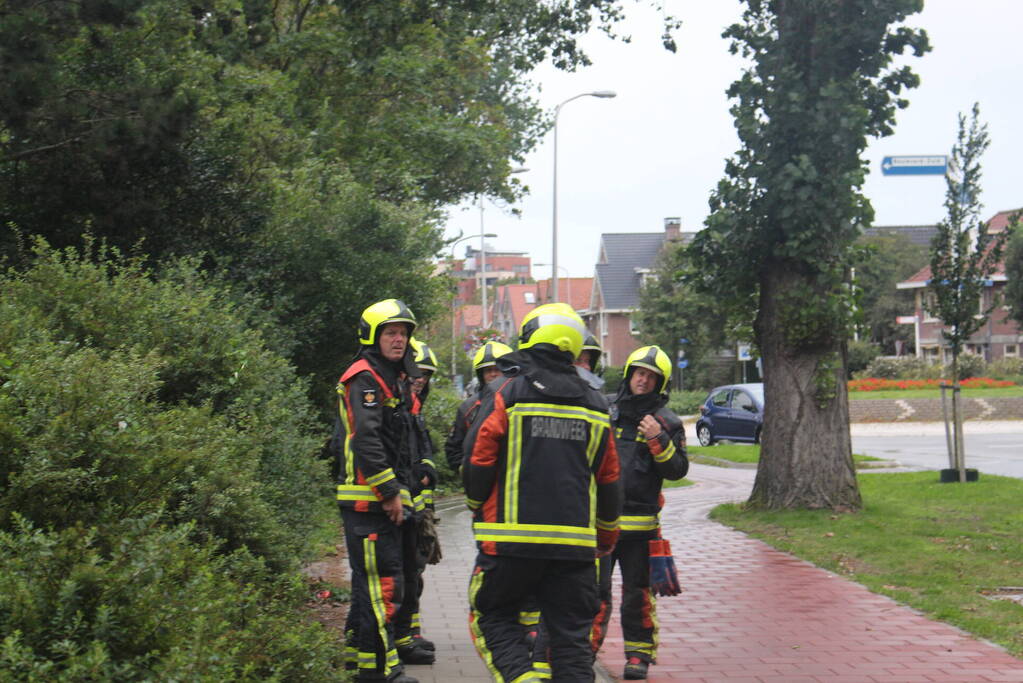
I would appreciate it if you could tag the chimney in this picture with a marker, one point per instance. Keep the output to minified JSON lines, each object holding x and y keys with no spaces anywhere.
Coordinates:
{"x":672,"y":229}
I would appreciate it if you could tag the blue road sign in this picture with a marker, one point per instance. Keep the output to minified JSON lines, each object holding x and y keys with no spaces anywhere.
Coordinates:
{"x":915,"y":165}
{"x":682,"y":363}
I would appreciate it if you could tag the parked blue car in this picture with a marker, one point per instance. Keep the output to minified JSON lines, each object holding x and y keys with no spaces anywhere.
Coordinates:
{"x":732,"y":413}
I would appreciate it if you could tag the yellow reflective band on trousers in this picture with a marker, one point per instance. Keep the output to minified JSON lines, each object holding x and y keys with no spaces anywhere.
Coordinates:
{"x":542,"y":670}
{"x":529,"y":618}
{"x":638,"y":522}
{"x":665,"y":455}
{"x":516,"y":414}
{"x":551,"y":534}
{"x":376,"y":599}
{"x":418,"y":503}
{"x":475,"y":583}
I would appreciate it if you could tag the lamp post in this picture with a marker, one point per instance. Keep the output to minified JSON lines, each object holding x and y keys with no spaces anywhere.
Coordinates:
{"x":554,"y":226}
{"x":483,"y":253}
{"x":552,"y":276}
{"x":454,"y":343}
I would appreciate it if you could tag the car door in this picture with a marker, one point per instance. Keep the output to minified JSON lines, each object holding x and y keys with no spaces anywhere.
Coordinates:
{"x":719,"y":411}
{"x":745,"y":416}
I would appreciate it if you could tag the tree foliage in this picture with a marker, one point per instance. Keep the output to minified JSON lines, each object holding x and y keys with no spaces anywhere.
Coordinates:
{"x":885,"y":261}
{"x":963,"y":253}
{"x":777,"y":243}
{"x":670,"y":310}
{"x":1014,"y":273}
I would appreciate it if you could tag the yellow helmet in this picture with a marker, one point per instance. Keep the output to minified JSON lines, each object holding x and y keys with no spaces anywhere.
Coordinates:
{"x":488,"y":354}
{"x":380,"y":314}
{"x":425,"y":357}
{"x":653,"y":359}
{"x":555,"y":324}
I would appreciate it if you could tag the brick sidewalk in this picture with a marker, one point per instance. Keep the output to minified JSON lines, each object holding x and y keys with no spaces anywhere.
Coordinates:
{"x":749,"y":613}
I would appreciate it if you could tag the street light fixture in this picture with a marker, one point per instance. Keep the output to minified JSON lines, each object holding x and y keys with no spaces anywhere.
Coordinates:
{"x":554,"y":246}
{"x":454,"y":343}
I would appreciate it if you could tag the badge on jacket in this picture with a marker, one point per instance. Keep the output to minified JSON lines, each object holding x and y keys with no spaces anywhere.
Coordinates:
{"x":369,"y":398}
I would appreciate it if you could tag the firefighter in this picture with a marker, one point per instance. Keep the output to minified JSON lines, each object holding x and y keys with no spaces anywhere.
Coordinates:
{"x":374,"y":483}
{"x":420,"y":542}
{"x":587,"y":362}
{"x":651,"y":444}
{"x":484,"y":362}
{"x":542,"y":480}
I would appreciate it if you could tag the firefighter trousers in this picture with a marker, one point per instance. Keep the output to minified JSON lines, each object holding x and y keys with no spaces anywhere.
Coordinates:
{"x":566,"y":592}
{"x":375,"y":556}
{"x":639,"y":607}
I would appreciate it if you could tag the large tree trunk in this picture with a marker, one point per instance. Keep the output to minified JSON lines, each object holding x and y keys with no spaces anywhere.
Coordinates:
{"x":806,"y":454}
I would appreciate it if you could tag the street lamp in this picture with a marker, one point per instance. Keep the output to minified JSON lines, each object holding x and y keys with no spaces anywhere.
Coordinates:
{"x":483,"y":253}
{"x":554,"y":246}
{"x":454,"y":343}
{"x":552,"y":275}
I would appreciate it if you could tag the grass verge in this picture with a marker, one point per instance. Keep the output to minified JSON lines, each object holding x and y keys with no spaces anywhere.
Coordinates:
{"x":746,"y":453}
{"x":944,"y":549}
{"x":936,"y":393}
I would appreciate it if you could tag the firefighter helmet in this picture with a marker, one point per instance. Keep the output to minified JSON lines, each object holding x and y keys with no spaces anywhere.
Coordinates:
{"x":380,"y":314}
{"x":488,"y":354}
{"x":592,"y":345}
{"x":425,"y":358}
{"x":555,"y":324}
{"x":653,"y":359}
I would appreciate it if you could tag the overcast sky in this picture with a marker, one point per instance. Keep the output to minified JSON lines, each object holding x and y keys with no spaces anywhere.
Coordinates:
{"x":658,"y":148}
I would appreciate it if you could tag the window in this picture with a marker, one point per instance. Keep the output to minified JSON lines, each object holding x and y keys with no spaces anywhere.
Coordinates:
{"x":720,"y":399}
{"x":633,"y":327}
{"x":930,"y":305}
{"x":530,"y":297}
{"x":743,"y":401}
{"x":1012,"y":351}
{"x":520,"y":269}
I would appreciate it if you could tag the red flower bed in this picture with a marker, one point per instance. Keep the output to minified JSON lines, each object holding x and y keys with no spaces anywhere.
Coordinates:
{"x":877,"y":384}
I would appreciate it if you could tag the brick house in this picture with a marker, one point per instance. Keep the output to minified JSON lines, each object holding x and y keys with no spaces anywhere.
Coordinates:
{"x":512,"y":302}
{"x":500,"y":265}
{"x":624,"y":262}
{"x":1000,"y":337}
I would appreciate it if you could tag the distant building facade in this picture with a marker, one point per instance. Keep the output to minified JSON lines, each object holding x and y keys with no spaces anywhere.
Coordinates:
{"x":1000,"y":337}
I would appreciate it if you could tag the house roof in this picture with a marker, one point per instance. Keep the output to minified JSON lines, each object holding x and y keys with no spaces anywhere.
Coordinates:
{"x":575,"y":291}
{"x":623,"y":255}
{"x":516,"y":299}
{"x":470,"y":316}
{"x":997,"y":223}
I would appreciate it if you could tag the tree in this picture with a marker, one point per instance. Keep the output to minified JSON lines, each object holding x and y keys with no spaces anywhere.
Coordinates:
{"x":670,"y":310}
{"x":885,"y":261}
{"x":963,"y":256}
{"x":963,"y":253}
{"x":1014,"y":273}
{"x":785,"y":216}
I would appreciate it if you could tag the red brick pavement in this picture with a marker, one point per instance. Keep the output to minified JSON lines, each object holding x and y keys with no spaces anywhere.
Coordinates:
{"x":749,"y":613}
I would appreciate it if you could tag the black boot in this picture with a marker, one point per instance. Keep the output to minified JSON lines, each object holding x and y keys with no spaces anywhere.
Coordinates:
{"x":635,"y":669}
{"x":413,"y":654}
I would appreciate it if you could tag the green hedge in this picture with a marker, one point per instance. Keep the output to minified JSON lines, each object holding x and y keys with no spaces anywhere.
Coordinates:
{"x":158,"y":489}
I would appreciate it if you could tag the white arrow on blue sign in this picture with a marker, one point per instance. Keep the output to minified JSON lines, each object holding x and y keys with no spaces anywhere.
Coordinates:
{"x":914,"y":165}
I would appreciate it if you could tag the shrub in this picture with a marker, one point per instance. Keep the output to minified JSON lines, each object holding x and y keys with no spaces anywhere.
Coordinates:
{"x":861,"y":353}
{"x":139,"y":601}
{"x":900,"y":367}
{"x":439,"y":413}
{"x":1006,"y":368}
{"x":970,"y":365}
{"x":686,"y":402}
{"x":157,"y":485}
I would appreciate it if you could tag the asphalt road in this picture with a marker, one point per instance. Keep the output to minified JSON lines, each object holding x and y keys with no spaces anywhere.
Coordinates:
{"x":992,"y":448}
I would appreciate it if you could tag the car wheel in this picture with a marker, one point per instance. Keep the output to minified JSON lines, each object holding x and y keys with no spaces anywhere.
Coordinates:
{"x":704,"y":435}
